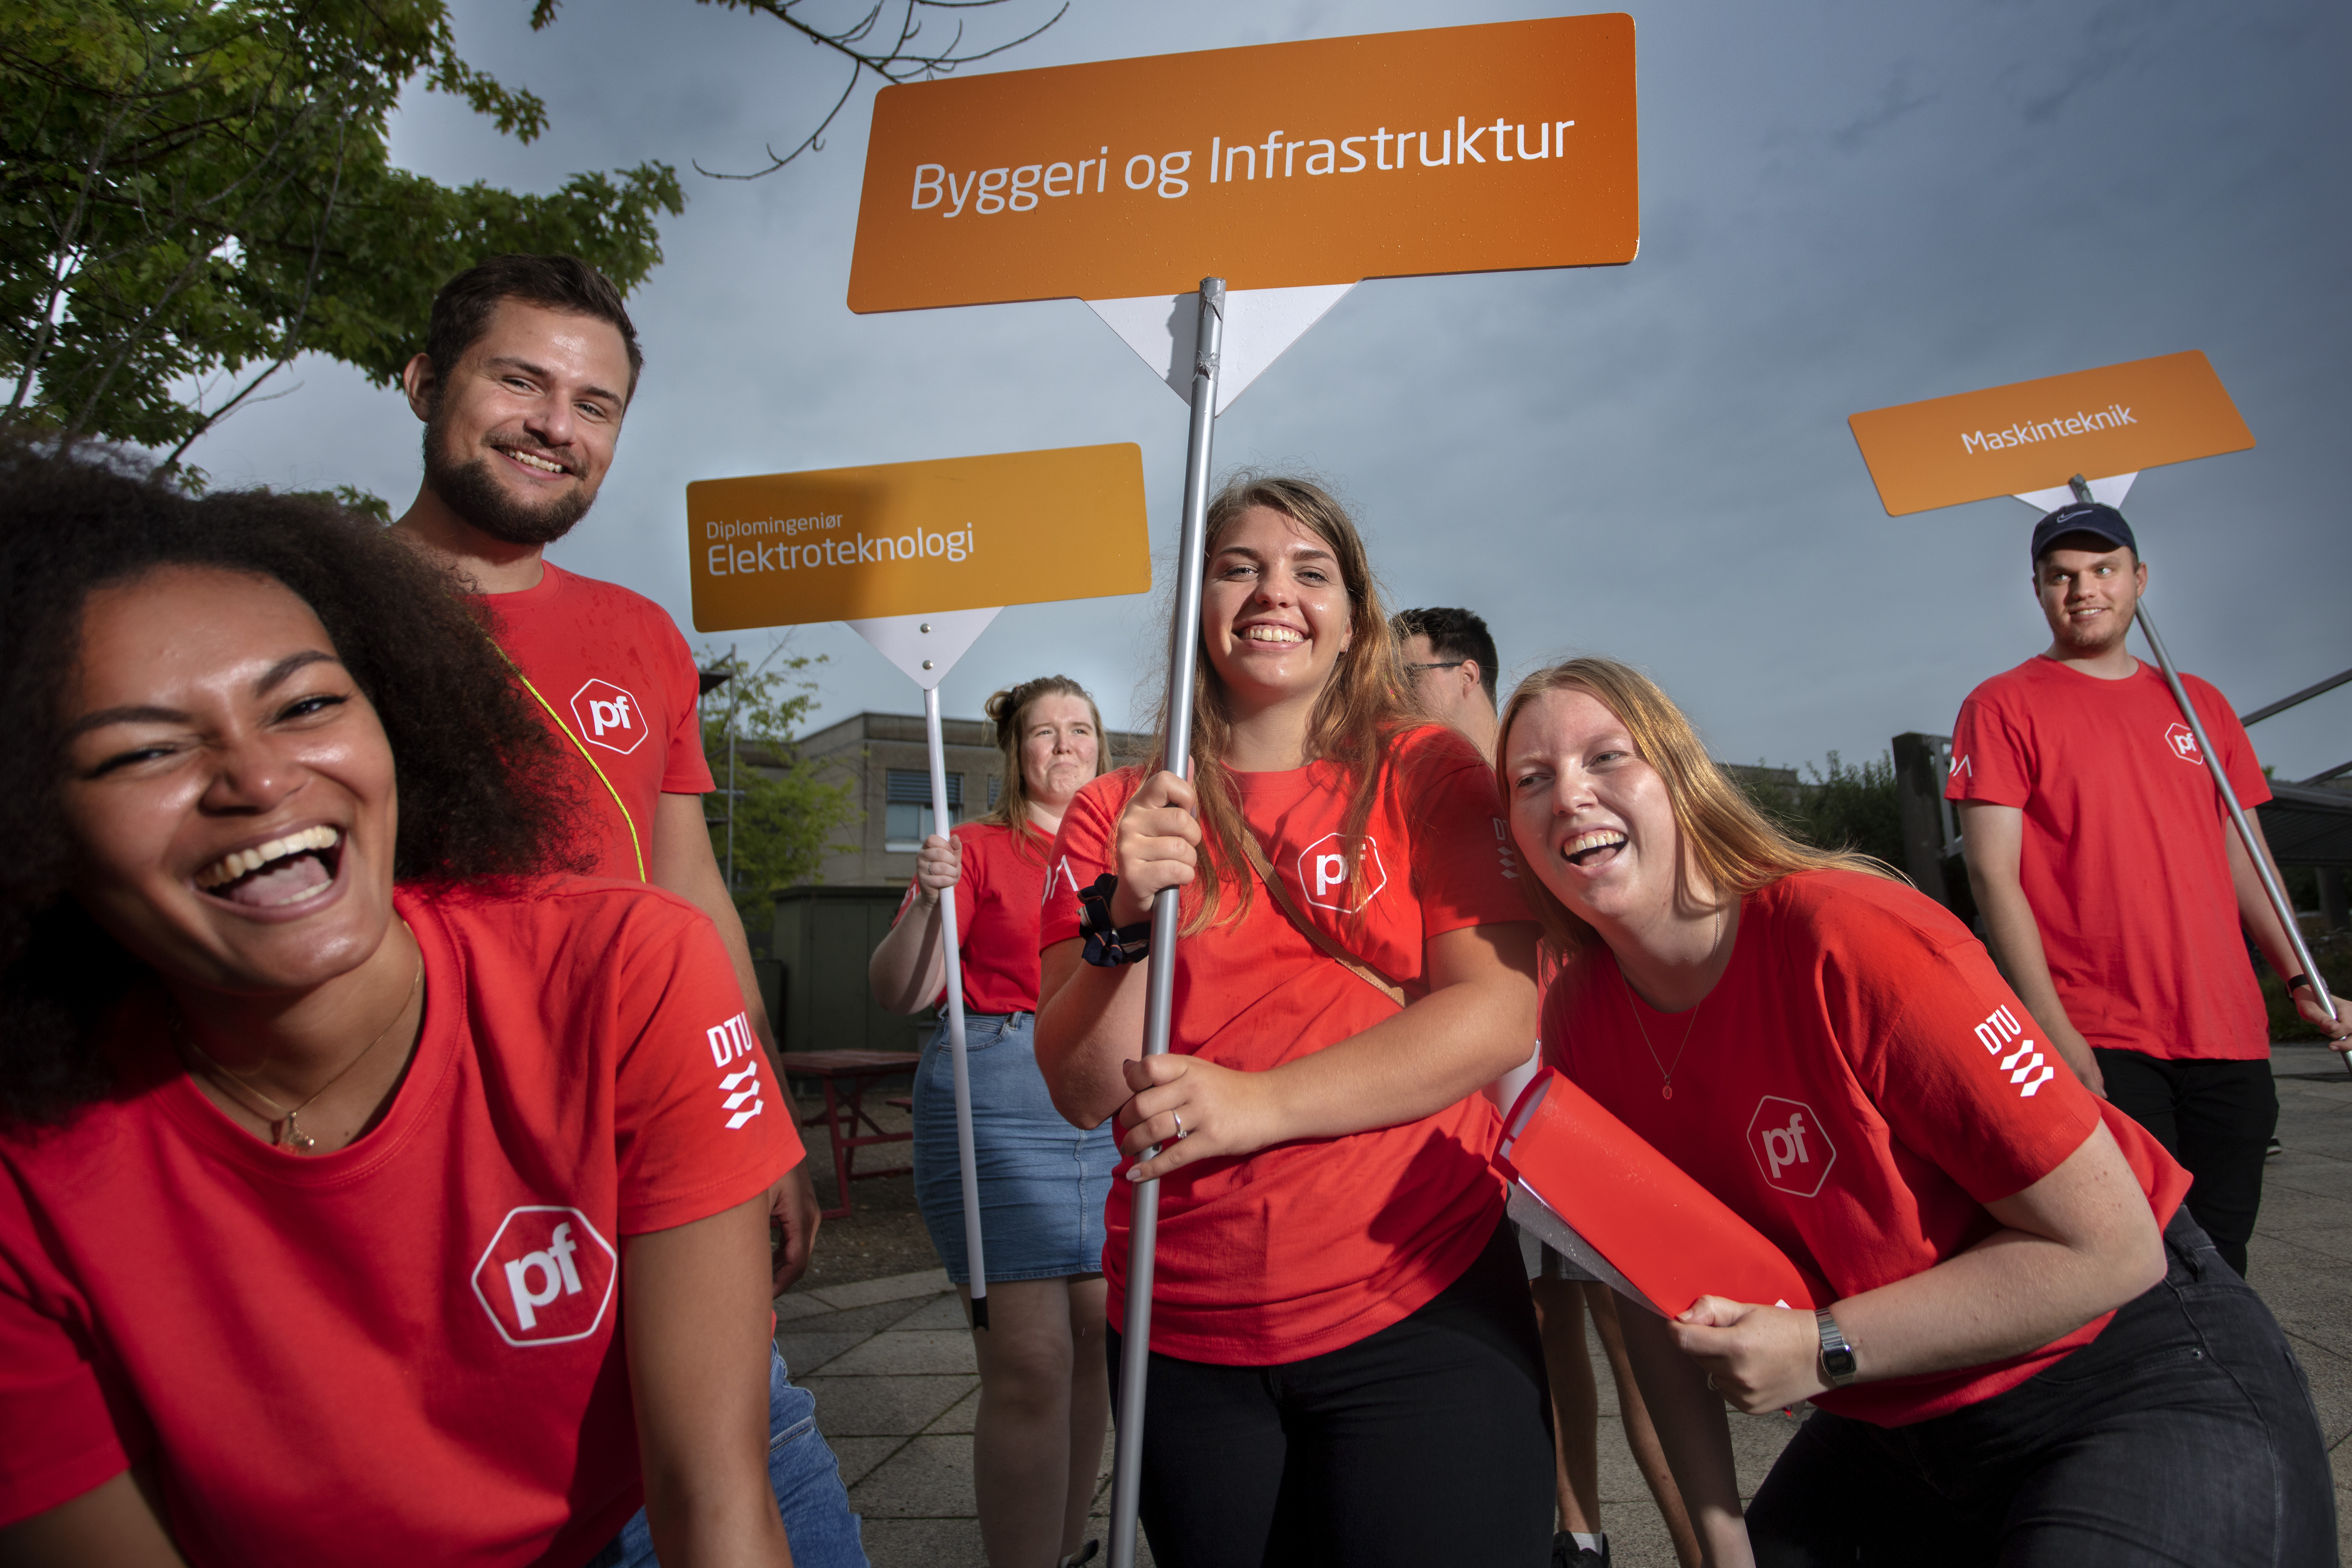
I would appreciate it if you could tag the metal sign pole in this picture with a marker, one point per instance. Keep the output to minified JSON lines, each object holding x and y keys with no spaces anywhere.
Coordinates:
{"x":965,"y":1158}
{"x":1160,"y":995}
{"x":2280,"y":903}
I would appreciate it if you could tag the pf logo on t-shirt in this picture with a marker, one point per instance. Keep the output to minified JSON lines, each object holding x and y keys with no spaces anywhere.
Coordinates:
{"x":1323,"y":874}
{"x":608,"y":717}
{"x":546,"y":1276}
{"x":2183,"y":742}
{"x":1790,"y":1146}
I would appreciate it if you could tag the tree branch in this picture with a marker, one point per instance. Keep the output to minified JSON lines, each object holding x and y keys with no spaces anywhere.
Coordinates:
{"x":899,"y":62}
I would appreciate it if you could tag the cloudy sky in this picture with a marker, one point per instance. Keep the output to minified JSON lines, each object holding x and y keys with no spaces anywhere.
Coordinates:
{"x":1844,"y":205}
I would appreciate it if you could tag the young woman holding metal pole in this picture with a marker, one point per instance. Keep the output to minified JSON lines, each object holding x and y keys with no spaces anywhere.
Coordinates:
{"x":1045,"y":1393}
{"x":2027,"y":1350}
{"x":1344,"y":1363}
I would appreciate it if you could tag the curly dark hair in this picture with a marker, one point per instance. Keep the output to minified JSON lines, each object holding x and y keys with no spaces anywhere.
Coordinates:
{"x":484,"y":790}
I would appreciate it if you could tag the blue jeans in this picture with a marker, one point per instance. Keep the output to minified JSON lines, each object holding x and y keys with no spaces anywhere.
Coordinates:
{"x":807,"y":1480}
{"x":2184,"y":1433}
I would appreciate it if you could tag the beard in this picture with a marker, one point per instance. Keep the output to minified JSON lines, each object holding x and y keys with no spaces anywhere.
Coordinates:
{"x":471,"y":490}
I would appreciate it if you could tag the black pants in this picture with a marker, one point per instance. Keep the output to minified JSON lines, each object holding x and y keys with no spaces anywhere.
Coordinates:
{"x":2184,"y":1433}
{"x":2216,"y":1119}
{"x":1428,"y":1443}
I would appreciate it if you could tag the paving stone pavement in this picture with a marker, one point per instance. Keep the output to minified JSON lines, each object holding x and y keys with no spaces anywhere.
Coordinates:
{"x":891,"y":1360}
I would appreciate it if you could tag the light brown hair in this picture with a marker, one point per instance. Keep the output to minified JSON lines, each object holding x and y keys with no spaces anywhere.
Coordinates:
{"x":1361,"y":708}
{"x":1736,"y":847}
{"x":1010,"y":708}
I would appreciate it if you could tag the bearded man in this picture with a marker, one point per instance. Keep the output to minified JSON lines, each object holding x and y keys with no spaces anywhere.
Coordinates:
{"x":529,"y":366}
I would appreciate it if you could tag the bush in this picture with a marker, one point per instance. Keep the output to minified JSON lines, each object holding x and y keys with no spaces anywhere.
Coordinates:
{"x":2333,"y":953}
{"x":1836,"y":807}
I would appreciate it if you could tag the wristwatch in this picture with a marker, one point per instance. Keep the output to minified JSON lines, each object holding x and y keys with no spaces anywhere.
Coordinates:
{"x":1838,"y":1367}
{"x":1108,"y":946}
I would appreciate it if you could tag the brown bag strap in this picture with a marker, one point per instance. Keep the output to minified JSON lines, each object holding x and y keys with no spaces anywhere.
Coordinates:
{"x":1315,"y":933}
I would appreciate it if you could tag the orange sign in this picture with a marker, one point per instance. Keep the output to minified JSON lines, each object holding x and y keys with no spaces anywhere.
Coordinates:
{"x":2034,"y":434}
{"x":1455,"y":149}
{"x":911,"y":538}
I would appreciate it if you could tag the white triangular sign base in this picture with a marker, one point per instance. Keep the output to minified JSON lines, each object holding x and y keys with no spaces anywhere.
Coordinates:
{"x":2108,"y":491}
{"x":1259,"y":325}
{"x":925,"y":647}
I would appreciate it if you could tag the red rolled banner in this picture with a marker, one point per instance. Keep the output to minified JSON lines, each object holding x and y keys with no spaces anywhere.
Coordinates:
{"x":1588,"y":1185}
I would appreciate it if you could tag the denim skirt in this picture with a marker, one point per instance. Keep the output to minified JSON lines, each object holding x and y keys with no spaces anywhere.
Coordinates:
{"x":1043,"y":1182}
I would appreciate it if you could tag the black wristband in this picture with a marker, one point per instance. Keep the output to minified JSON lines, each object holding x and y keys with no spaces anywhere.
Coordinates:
{"x":1108,"y":946}
{"x":2301,"y":982}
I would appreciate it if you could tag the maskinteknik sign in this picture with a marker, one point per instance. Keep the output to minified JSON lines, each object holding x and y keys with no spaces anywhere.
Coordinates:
{"x":2032,"y":435}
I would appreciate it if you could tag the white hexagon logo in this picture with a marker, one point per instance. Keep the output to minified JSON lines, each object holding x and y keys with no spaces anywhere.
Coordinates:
{"x":609,"y":717}
{"x":2183,"y":742}
{"x":1790,"y":1146}
{"x":1323,"y":874}
{"x":546,"y":1276}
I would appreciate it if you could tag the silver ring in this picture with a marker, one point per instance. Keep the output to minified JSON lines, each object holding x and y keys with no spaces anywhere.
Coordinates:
{"x":1180,"y":1133}
{"x":1710,"y":1383}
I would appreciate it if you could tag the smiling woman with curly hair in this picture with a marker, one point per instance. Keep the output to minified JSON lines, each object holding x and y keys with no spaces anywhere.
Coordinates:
{"x":348,"y":1149}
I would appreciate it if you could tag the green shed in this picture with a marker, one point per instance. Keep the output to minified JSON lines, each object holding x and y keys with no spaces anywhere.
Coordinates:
{"x":823,"y":935}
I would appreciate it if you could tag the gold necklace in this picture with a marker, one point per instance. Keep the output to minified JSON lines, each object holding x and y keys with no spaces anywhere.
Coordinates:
{"x":290,"y":1134}
{"x":1666,"y":1089}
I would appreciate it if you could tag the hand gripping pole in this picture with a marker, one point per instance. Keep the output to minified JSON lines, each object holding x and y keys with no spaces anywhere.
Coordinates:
{"x":2280,"y":903}
{"x":965,"y":1160}
{"x":1159,"y":995}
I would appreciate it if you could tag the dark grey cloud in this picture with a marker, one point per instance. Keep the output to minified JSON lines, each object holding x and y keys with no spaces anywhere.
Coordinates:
{"x":1844,"y":206}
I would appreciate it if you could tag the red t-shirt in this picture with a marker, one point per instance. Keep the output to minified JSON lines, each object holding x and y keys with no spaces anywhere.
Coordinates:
{"x":1311,"y":1246}
{"x":623,"y":685}
{"x":1858,"y":1086}
{"x":2124,"y":862}
{"x":996,"y":901}
{"x":406,"y":1351}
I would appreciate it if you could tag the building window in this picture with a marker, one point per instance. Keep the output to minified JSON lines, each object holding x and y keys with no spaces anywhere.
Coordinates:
{"x":907,"y":818}
{"x":995,"y":783}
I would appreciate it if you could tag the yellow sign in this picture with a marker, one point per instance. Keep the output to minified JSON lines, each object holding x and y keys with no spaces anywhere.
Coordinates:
{"x":1474,"y":149}
{"x":910,"y":539}
{"x":2035,"y":435}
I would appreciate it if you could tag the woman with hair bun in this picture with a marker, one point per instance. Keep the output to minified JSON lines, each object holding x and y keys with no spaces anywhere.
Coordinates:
{"x":1044,"y":1392}
{"x":2025,"y":1350}
{"x":1344,"y":1363}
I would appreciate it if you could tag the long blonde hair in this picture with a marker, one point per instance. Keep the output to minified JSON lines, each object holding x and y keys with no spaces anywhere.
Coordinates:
{"x":1736,"y":847}
{"x":1361,"y":708}
{"x":1010,"y":708}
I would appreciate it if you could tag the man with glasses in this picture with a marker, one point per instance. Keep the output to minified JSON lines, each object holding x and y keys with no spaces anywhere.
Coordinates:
{"x":1449,"y":659}
{"x":1450,"y":662}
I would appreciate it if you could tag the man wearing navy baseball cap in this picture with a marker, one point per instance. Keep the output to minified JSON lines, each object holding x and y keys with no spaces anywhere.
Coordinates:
{"x":2114,"y":892}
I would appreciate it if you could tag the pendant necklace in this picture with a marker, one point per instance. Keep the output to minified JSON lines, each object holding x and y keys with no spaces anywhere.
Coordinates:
{"x":1666,"y":1088}
{"x":288,"y":1131}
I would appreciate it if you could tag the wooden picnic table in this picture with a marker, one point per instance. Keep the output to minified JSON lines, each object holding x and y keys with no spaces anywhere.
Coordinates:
{"x":844,"y":1076}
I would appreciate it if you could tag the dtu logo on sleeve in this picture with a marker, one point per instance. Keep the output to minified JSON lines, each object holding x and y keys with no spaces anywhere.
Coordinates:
{"x":2024,"y":1065}
{"x":1790,"y":1146}
{"x":1323,"y":876}
{"x":1503,"y":850}
{"x":2182,"y":740}
{"x":609,"y":717}
{"x":546,"y":1276}
{"x":731,"y":1042}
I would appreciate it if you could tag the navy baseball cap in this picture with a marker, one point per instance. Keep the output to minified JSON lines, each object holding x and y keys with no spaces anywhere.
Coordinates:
{"x":2094,"y":518}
